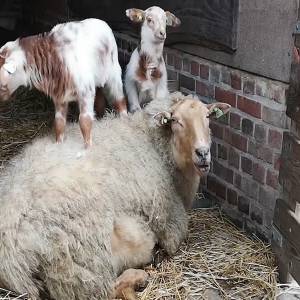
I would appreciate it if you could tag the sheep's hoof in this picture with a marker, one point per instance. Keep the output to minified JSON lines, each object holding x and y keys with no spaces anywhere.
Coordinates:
{"x":159,"y":255}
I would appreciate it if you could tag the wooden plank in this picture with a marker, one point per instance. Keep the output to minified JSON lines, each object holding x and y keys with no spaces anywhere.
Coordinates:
{"x":288,"y":261}
{"x":212,"y":23}
{"x":289,"y":175}
{"x":287,"y":223}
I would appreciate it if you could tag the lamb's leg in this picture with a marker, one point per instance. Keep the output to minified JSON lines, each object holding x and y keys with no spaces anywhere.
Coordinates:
{"x":128,"y":282}
{"x":162,"y":91}
{"x":115,"y":89}
{"x":86,"y":117}
{"x":61,"y":110}
{"x":100,"y":103}
{"x":132,"y":95}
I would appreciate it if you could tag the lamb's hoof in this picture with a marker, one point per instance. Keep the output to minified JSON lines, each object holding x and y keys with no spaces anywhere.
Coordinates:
{"x":135,"y":109}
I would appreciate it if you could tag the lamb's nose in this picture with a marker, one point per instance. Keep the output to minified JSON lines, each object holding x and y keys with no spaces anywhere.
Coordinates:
{"x":162,"y":34}
{"x":202,"y":152}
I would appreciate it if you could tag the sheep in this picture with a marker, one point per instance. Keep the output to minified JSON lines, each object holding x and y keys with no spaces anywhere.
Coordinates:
{"x":75,"y":224}
{"x":146,"y":75}
{"x":68,"y":63}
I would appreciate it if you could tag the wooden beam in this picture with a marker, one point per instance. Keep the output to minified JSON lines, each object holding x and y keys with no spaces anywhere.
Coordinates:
{"x":287,"y":223}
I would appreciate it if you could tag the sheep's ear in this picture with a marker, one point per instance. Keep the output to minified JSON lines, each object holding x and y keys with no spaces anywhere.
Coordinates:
{"x":172,"y":20}
{"x":218,"y":109}
{"x":162,"y":118}
{"x":135,"y":15}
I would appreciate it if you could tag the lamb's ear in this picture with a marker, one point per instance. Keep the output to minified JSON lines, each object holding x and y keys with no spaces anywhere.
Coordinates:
{"x":10,"y":67}
{"x":172,"y":20}
{"x":162,"y":118}
{"x":218,"y":109}
{"x":135,"y":15}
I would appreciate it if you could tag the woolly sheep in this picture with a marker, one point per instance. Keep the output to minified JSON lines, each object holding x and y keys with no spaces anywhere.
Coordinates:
{"x":71,"y":222}
{"x":68,"y":63}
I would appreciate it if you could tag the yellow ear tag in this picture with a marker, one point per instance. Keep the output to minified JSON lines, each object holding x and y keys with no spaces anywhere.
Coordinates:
{"x":218,"y":112}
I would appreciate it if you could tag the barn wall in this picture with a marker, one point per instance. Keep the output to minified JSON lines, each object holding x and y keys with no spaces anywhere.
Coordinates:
{"x":246,"y":144}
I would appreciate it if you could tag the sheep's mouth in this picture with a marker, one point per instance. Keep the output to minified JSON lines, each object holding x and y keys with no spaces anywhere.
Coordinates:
{"x":160,"y":39}
{"x":202,"y":168}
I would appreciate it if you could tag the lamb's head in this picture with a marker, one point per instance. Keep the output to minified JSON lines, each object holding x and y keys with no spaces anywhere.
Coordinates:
{"x":12,"y":72}
{"x":154,"y":22}
{"x":191,"y":140}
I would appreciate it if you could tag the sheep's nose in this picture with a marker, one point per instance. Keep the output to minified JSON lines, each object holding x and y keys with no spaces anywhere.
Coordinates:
{"x":202,"y":153}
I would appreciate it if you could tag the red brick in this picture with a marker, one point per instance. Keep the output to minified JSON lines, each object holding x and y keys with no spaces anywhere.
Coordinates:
{"x":272,"y":179}
{"x":187,"y":82}
{"x":195,"y":68}
{"x":238,"y":180}
{"x":247,"y":126}
{"x":225,"y":77}
{"x":243,"y":205}
{"x":274,"y":117}
{"x":258,"y":173}
{"x":178,"y":63}
{"x":222,"y":172}
{"x":204,"y":89}
{"x":220,"y":190}
{"x":261,"y":152}
{"x":236,"y":82}
{"x":275,"y":139}
{"x":217,"y":130}
{"x":186,"y":65}
{"x":235,"y":121}
{"x":260,"y":133}
{"x":214,"y":75}
{"x":250,"y":107}
{"x":232,"y":197}
{"x":222,"y":152}
{"x":213,"y":149}
{"x":225,"y":96}
{"x":277,"y":161}
{"x":235,"y":139}
{"x":204,"y":71}
{"x":246,"y":165}
{"x":234,"y":158}
{"x":249,"y":86}
{"x":211,"y":184}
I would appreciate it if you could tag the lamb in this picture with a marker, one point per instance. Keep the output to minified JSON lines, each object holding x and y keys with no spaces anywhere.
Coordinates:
{"x":146,"y":75}
{"x":68,"y":63}
{"x":74,"y":225}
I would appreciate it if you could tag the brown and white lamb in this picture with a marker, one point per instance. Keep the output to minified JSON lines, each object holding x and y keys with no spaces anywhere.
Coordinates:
{"x":73,"y":224}
{"x":68,"y":64}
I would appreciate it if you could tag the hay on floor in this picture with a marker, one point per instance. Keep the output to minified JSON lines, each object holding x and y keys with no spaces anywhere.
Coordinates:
{"x":218,"y":261}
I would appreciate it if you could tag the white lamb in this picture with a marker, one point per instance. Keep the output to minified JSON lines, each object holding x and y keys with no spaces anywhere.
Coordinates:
{"x":146,"y":75}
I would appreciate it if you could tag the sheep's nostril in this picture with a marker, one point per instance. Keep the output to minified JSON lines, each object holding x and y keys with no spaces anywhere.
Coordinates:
{"x":162,"y":34}
{"x":202,"y":153}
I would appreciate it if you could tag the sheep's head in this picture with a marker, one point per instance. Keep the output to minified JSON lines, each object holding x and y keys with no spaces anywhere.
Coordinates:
{"x":12,"y":73}
{"x":191,"y":140}
{"x":154,"y":21}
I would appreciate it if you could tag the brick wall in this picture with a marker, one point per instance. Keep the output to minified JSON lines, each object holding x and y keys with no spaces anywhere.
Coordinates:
{"x":246,"y":143}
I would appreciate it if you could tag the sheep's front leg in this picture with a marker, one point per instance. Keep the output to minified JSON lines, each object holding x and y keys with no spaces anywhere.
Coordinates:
{"x":61,"y":110}
{"x":132,"y":95}
{"x":162,"y":91}
{"x":129,"y":281}
{"x":86,"y":117}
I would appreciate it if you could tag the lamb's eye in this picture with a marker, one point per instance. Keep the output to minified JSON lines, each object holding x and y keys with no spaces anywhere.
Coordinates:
{"x":149,"y":20}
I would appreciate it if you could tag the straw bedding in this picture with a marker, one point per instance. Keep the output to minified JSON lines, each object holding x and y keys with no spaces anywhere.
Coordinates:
{"x":217,"y":261}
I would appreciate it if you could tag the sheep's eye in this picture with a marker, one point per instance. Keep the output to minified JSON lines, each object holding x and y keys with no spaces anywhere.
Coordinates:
{"x":149,"y":20}
{"x":176,"y":121}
